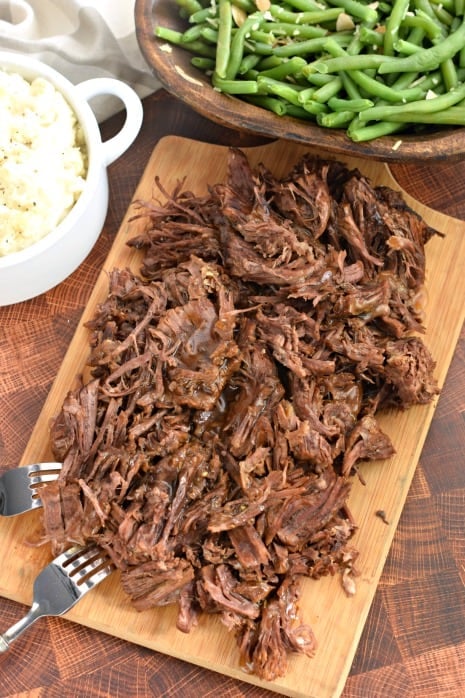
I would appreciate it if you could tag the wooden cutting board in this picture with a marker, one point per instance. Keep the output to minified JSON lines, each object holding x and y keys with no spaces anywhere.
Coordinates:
{"x":336,"y":619}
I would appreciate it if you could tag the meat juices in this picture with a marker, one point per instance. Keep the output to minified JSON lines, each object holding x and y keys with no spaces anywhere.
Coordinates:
{"x":234,"y":392}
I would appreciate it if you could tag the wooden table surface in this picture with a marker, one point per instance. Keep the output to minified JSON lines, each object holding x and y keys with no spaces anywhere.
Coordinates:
{"x":413,"y":644}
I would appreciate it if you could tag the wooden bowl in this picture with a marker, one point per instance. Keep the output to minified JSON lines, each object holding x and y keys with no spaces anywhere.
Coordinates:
{"x":180,"y":78}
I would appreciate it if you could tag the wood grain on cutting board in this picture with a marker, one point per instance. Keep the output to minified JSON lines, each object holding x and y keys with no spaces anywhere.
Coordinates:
{"x":337,"y":620}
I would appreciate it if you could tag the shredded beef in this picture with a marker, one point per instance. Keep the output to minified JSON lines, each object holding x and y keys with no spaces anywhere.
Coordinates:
{"x":234,"y":390}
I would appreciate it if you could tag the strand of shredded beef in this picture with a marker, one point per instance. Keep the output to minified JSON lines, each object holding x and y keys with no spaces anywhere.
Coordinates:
{"x":235,"y":388}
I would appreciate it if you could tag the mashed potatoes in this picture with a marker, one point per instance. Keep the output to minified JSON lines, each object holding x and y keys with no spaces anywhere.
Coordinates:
{"x":42,"y":160}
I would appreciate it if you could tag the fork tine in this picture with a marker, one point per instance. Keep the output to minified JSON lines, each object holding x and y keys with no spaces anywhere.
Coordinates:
{"x":85,"y":567}
{"x":96,"y":577}
{"x":44,"y":472}
{"x":53,"y":467}
{"x":76,"y":557}
{"x":41,"y":479}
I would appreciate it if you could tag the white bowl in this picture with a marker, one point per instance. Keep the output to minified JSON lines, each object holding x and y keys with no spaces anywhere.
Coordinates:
{"x":43,"y":265}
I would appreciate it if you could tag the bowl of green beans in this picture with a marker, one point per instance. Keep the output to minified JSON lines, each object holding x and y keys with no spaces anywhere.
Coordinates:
{"x":381,"y":80}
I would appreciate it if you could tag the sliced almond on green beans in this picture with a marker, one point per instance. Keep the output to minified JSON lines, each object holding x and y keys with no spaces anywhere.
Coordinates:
{"x":239,"y":15}
{"x":263,"y":5}
{"x":344,"y":22}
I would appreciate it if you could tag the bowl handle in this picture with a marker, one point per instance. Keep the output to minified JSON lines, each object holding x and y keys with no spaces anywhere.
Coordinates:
{"x":118,"y":144}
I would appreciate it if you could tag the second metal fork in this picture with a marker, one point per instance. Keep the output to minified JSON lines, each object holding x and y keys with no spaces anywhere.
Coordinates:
{"x":60,"y":585}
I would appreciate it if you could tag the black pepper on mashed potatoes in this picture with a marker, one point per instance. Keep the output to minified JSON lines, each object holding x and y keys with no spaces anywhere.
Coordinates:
{"x":42,"y":160}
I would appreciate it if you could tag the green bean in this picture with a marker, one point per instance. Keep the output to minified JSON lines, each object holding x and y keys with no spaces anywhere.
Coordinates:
{"x":385,"y":7}
{"x":351,"y":88}
{"x":282,"y":89}
{"x":310,"y":46}
{"x":370,"y":85}
{"x":408,"y":80}
{"x":370,"y":37}
{"x":356,"y":45}
{"x":170,"y":35}
{"x":325,"y":92}
{"x":267,"y":62}
{"x":234,"y":87}
{"x":273,"y":104}
{"x":406,"y":48}
{"x":192,"y":34}
{"x":175,"y":37}
{"x":203,"y":63}
{"x":250,"y":61}
{"x":302,"y":18}
{"x":305,"y":5}
{"x":200,"y":48}
{"x":363,"y":61}
{"x":247,"y":5}
{"x":391,"y":33}
{"x":425,"y":106}
{"x":383,"y":91}
{"x":251,"y":74}
{"x":299,"y":31}
{"x":452,"y":116}
{"x":335,"y":119}
{"x":443,"y":16}
{"x":258,"y":47}
{"x":236,"y":51}
{"x":290,"y":67}
{"x":190,"y":6}
{"x":317,"y":79}
{"x":425,"y":6}
{"x":353,"y":105}
{"x":448,"y":5}
{"x":358,"y":132}
{"x":430,"y":81}
{"x":357,"y":9}
{"x":210,"y":34}
{"x":428,"y":58}
{"x":313,"y":107}
{"x":449,"y":74}
{"x":201,"y":15}
{"x":415,"y":36}
{"x":299,"y":112}
{"x":223,"y":46}
{"x":262,"y":37}
{"x":423,"y":21}
{"x":306,"y":95}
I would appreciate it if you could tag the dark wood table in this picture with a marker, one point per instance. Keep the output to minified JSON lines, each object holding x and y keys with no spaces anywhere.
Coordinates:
{"x":413,"y":644}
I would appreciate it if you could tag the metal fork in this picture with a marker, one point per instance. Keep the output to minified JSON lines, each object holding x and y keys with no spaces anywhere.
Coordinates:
{"x":60,"y":585}
{"x":20,"y":487}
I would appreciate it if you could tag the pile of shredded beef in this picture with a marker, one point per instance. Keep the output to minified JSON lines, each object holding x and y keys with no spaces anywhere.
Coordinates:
{"x":234,"y":391}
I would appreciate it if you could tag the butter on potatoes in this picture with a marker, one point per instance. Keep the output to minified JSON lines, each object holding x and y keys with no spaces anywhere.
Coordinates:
{"x":42,"y":160}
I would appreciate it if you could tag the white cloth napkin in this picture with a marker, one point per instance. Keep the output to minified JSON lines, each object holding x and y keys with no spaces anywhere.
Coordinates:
{"x":81,"y":39}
